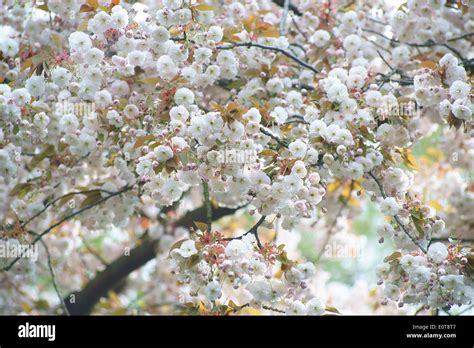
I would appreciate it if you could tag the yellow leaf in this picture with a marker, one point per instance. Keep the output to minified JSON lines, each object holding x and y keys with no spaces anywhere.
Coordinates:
{"x":434,"y":152}
{"x":353,"y":202}
{"x":235,"y":38}
{"x":410,"y":161}
{"x":350,"y":7}
{"x":57,"y":40}
{"x":83,"y":25}
{"x":93,"y":3}
{"x":43,"y":7}
{"x":333,"y":186}
{"x":151,"y":80}
{"x":268,"y":152}
{"x":332,"y":309}
{"x":250,"y":311}
{"x":120,"y":311}
{"x":248,"y":23}
{"x":201,"y":225}
{"x":86,"y":8}
{"x":273,"y":32}
{"x":429,"y":64}
{"x":142,"y":140}
{"x":205,"y":7}
{"x":436,"y":205}
{"x":27,"y":64}
{"x":392,"y":257}
{"x":26,"y":308}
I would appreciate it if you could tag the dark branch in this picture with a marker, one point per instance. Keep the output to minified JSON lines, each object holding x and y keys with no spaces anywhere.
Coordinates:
{"x":292,"y":7}
{"x":253,"y":230}
{"x":270,"y":48}
{"x":114,"y":274}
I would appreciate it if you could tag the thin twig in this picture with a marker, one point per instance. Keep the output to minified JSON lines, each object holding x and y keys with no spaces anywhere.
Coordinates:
{"x":396,"y":217}
{"x":253,"y":230}
{"x":291,"y":6}
{"x":270,"y":48}
{"x":461,"y":37}
{"x":273,"y":136}
{"x":429,"y":43}
{"x":53,"y":277}
{"x":273,"y":309}
{"x":298,"y":28}
{"x":385,"y":61}
{"x":47,"y":205}
{"x":377,"y":21}
{"x":94,"y":253}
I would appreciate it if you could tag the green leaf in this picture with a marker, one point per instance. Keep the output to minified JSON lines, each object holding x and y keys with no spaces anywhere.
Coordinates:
{"x":47,"y":152}
{"x":192,"y":261}
{"x":20,"y":189}
{"x":237,"y":84}
{"x":419,"y":226}
{"x":91,"y":198}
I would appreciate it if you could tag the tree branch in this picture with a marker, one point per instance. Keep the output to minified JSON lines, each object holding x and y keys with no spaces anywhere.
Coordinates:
{"x":273,"y":136}
{"x":253,"y":230}
{"x":429,"y":43}
{"x":270,"y":48}
{"x":291,"y":6}
{"x":82,"y":302}
{"x":49,"y":204}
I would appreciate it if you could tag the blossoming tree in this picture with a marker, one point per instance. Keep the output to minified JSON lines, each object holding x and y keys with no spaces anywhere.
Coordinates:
{"x":163,"y":148}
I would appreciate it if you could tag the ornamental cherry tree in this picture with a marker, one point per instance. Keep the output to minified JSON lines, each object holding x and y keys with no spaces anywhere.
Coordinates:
{"x":168,"y":153}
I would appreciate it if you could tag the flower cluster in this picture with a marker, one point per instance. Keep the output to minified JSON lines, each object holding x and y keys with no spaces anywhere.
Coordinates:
{"x":446,"y":90}
{"x":216,"y":268}
{"x":435,"y":280}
